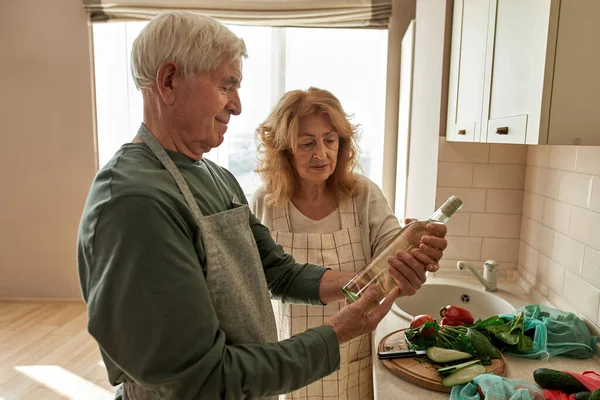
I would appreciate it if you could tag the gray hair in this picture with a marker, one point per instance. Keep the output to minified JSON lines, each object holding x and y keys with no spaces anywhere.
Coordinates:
{"x":196,"y":43}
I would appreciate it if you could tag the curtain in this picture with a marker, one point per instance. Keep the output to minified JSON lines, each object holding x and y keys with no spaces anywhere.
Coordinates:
{"x":293,"y":13}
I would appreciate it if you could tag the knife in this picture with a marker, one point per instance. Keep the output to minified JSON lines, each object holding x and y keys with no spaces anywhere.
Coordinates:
{"x":388,"y":355}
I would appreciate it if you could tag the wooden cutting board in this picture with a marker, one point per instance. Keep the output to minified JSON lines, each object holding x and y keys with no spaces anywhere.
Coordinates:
{"x":420,"y":371}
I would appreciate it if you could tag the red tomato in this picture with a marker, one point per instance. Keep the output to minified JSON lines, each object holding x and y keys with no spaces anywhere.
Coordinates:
{"x":420,"y":320}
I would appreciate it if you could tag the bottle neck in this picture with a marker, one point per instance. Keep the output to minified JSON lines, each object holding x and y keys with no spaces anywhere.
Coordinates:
{"x":438,"y":216}
{"x":443,"y":214}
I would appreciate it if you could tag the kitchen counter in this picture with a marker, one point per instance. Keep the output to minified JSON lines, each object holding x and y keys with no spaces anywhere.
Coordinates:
{"x":388,"y":386}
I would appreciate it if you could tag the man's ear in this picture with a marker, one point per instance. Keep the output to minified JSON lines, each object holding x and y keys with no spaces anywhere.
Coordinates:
{"x":165,"y":76}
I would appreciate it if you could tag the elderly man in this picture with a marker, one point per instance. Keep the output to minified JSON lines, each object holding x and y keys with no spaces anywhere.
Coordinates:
{"x":176,"y":272}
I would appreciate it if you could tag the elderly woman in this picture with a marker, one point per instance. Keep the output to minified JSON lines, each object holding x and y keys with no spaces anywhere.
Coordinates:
{"x":322,"y":212}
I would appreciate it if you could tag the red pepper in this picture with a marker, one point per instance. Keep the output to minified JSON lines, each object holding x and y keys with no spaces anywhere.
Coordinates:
{"x":481,"y":395}
{"x":420,"y":320}
{"x":451,"y":322}
{"x":453,"y":316}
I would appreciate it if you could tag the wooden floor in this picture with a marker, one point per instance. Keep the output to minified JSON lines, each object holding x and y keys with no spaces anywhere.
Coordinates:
{"x":46,"y":353}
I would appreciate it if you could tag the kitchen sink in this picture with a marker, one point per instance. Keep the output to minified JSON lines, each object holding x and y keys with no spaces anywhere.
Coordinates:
{"x":432,"y":296}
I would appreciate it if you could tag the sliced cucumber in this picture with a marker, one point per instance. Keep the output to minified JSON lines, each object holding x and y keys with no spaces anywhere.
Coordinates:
{"x":463,"y":375}
{"x":450,"y":369}
{"x":441,"y":355}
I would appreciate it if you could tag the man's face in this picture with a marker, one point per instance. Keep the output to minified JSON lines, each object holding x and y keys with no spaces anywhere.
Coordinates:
{"x":204,"y":106}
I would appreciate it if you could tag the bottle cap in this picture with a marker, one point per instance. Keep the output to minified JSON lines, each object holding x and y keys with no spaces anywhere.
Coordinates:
{"x":452,"y":205}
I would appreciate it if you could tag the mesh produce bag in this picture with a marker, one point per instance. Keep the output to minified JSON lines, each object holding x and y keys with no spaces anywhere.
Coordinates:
{"x":555,"y":332}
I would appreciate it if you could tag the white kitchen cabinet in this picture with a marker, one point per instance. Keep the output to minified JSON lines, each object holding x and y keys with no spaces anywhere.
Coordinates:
{"x":467,"y":66}
{"x":525,"y":71}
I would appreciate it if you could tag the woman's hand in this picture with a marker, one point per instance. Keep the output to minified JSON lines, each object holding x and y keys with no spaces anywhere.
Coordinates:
{"x":432,"y":248}
{"x":408,"y":269}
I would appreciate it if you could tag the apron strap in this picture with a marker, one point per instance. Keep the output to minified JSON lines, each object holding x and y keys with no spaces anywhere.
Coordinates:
{"x":348,"y":213}
{"x":160,"y":153}
{"x":281,"y":218}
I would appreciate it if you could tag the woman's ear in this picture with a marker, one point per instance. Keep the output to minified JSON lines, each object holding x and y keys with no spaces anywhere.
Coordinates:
{"x":165,"y":76}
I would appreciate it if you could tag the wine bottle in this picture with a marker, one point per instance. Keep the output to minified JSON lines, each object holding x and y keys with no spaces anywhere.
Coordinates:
{"x":375,"y":273}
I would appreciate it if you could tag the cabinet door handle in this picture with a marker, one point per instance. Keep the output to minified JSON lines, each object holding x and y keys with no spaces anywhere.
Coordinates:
{"x":502,"y":130}
{"x":462,"y":132}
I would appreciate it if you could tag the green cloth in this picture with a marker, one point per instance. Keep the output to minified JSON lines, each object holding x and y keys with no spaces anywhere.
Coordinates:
{"x":496,"y":388}
{"x":141,"y":272}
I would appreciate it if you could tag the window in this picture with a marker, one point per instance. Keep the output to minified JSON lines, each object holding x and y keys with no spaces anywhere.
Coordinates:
{"x":351,"y":63}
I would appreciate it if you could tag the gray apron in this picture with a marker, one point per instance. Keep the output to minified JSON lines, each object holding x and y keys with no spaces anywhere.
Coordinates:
{"x":234,"y":271}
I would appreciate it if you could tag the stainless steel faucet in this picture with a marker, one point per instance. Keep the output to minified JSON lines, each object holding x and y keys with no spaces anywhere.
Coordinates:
{"x":488,"y":280}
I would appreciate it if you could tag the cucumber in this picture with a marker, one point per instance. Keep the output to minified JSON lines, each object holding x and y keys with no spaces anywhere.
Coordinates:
{"x":582,"y":395}
{"x":463,"y":375}
{"x":441,"y":355}
{"x":595,"y":395}
{"x":557,"y":380}
{"x":450,"y":369}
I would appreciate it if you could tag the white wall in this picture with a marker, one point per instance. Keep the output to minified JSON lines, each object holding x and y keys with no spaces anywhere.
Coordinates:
{"x":430,"y":74}
{"x":403,"y":12}
{"x":47,"y":158}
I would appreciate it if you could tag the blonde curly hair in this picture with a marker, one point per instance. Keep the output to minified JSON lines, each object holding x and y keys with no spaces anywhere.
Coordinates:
{"x":277,"y":140}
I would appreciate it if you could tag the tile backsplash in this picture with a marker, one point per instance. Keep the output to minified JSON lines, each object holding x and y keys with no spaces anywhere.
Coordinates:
{"x":490,"y":180}
{"x":559,"y":253}
{"x":536,"y":210}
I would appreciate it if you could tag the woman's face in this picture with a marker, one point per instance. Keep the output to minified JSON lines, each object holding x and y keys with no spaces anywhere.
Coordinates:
{"x":318,"y":144}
